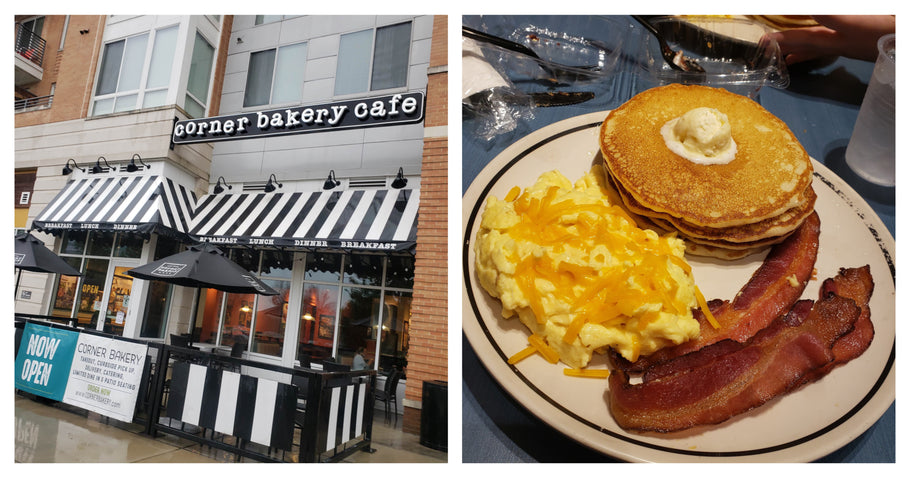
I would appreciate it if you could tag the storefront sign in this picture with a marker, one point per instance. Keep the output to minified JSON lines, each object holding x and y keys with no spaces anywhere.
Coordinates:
{"x":382,"y":111}
{"x":105,"y":376}
{"x":96,"y":373}
{"x":44,"y":359}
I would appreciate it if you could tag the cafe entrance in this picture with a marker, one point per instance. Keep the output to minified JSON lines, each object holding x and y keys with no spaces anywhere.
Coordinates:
{"x":100,"y":299}
{"x":116,"y":300}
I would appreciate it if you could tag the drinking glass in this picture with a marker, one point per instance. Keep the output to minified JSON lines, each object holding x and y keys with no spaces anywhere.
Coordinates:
{"x":870,"y":153}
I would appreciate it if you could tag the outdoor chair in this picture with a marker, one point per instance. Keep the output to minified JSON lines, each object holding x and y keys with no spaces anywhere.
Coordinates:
{"x":180,"y":341}
{"x":389,"y":394}
{"x":237,"y":352}
{"x":340,"y":381}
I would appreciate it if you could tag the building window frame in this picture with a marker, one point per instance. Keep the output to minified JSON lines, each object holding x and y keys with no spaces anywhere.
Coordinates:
{"x":199,"y":68}
{"x":117,"y":97}
{"x":367,"y":75}
{"x":283,"y":61}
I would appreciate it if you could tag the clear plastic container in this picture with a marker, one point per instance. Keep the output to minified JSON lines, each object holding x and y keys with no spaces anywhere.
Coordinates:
{"x":579,"y":52}
{"x":735,"y":53}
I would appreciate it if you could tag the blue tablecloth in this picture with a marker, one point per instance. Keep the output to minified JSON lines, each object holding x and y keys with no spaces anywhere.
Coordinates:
{"x":820,"y":106}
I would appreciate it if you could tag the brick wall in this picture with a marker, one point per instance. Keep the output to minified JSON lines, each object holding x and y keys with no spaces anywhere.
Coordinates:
{"x":428,"y":354}
{"x":72,"y":69}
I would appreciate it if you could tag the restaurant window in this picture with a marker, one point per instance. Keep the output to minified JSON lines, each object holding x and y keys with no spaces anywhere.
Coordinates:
{"x":360,"y":317}
{"x":197,"y":87}
{"x":155,"y":314}
{"x":135,"y":72}
{"x":393,"y":332}
{"x":365,"y":300}
{"x":272,"y":311}
{"x":371,"y":60}
{"x":256,"y":321}
{"x":276,"y":75}
{"x":322,"y":275}
{"x":93,"y":253}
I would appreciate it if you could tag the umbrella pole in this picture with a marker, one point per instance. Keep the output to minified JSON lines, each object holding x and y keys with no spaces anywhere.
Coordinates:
{"x":192,"y":330}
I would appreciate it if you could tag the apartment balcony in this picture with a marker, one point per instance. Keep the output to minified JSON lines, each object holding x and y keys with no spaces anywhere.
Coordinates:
{"x":32,"y":104}
{"x":29,"y":54}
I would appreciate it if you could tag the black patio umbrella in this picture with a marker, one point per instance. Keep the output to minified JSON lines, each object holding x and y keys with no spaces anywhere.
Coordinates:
{"x":203,"y":265}
{"x":32,"y":255}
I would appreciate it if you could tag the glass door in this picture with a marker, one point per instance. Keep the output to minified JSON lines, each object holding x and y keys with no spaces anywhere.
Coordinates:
{"x":92,"y":292}
{"x":119,"y":287}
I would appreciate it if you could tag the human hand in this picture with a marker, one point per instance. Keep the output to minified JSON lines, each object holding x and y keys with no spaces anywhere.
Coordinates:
{"x":852,"y":36}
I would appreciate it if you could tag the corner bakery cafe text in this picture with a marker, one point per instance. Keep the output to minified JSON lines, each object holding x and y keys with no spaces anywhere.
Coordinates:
{"x":381,"y":111}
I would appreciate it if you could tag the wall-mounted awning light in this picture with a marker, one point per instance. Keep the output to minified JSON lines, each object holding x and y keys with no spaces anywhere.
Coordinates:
{"x":67,"y":170}
{"x":331,"y":182}
{"x":400,"y":181}
{"x":220,"y":189}
{"x":270,"y":186}
{"x":132,"y":167}
{"x":97,"y":167}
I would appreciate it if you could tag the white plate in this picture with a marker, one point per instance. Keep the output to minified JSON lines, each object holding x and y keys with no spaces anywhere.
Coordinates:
{"x":805,"y":425}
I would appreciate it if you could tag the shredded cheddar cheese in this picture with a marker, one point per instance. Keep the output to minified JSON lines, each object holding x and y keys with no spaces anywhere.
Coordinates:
{"x":587,"y":373}
{"x":703,"y":305}
{"x":581,"y":275}
{"x":525,"y":353}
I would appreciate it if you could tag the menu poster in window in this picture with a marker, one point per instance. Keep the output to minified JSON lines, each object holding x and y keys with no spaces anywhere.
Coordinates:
{"x":105,"y":376}
{"x":43,"y":361}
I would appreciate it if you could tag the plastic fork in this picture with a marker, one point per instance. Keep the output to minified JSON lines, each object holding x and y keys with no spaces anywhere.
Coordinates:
{"x":557,"y":72}
{"x":676,"y":59}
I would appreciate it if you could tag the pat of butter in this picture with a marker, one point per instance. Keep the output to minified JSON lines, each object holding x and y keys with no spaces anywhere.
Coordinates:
{"x":701,"y":135}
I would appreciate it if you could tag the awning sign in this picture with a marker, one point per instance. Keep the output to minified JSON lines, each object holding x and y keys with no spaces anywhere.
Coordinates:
{"x":44,"y":359}
{"x":361,"y":113}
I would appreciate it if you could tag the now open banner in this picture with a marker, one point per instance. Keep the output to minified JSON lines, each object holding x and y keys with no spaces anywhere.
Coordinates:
{"x":100,"y":374}
{"x":43,"y":363}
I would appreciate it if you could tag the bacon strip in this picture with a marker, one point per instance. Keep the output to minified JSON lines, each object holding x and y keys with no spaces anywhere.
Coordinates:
{"x":728,"y":377}
{"x":856,"y":284}
{"x":768,"y":294}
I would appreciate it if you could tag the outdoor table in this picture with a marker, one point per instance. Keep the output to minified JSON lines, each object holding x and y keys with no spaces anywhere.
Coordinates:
{"x":210,"y":348}
{"x":820,"y":106}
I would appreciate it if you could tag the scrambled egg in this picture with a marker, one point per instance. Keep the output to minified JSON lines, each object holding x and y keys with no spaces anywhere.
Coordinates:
{"x":580,"y":274}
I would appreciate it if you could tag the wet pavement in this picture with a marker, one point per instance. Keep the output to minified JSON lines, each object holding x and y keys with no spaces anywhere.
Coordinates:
{"x":50,"y":434}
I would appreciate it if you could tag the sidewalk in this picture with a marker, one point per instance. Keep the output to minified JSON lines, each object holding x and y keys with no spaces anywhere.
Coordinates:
{"x":47,"y":434}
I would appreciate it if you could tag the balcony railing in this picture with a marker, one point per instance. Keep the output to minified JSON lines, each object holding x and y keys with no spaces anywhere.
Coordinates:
{"x":38,"y":102}
{"x":30,"y":45}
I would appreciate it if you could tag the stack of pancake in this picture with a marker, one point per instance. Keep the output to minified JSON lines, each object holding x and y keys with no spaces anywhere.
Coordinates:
{"x":722,"y":210}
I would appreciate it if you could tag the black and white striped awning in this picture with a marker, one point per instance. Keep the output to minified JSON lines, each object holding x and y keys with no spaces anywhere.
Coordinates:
{"x":383,"y":219}
{"x":137,"y":204}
